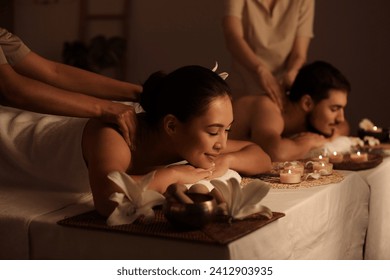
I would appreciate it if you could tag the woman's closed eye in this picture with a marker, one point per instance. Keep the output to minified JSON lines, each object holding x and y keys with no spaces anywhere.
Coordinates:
{"x":215,"y":133}
{"x":216,"y":129}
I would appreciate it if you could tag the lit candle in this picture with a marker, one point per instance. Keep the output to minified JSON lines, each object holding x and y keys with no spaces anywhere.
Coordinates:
{"x":295,"y":166}
{"x":359,"y":157}
{"x":290,"y":177}
{"x":376,"y":129}
{"x":321,"y":158}
{"x":336,"y":157}
{"x":322,"y":167}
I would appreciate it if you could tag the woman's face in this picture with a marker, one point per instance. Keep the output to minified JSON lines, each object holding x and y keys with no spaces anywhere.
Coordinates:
{"x":329,"y":112}
{"x":203,"y":138}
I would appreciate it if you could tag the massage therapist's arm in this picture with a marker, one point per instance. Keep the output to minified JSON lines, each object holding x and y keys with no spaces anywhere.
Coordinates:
{"x":40,"y":85}
{"x":242,"y":52}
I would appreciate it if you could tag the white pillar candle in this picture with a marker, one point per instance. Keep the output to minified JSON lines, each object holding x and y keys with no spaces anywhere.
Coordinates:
{"x":290,"y":177}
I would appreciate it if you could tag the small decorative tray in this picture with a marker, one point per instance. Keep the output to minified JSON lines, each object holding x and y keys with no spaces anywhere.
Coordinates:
{"x":383,"y":136}
{"x":381,"y":149}
{"x":373,"y":161}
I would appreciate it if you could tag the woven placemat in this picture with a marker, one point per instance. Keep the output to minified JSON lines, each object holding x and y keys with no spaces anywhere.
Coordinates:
{"x":274,"y":181}
{"x":219,"y":233}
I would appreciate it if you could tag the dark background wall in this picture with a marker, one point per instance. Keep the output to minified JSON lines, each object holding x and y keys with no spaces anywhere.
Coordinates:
{"x":354,"y":35}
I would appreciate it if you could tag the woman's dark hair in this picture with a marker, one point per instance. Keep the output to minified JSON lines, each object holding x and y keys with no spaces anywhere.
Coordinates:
{"x":184,"y":93}
{"x":317,"y":79}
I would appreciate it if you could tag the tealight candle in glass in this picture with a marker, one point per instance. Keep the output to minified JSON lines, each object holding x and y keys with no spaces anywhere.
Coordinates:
{"x":289,"y":176}
{"x":295,"y":166}
{"x":336,"y":157}
{"x":320,"y":158}
{"x":323,"y":167}
{"x":359,"y":157}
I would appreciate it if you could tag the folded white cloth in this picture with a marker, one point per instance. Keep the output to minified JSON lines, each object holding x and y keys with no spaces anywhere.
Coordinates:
{"x":224,"y":178}
{"x":366,"y":124}
{"x":341,"y":144}
{"x":229,"y":174}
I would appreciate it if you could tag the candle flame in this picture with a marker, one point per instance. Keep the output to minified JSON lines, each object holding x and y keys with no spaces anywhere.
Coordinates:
{"x":358,"y":153}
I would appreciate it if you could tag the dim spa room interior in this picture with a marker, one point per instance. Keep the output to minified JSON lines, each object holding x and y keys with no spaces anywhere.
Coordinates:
{"x":330,"y":203}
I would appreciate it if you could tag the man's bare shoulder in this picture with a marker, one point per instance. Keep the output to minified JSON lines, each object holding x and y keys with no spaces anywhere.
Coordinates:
{"x":257,"y":100}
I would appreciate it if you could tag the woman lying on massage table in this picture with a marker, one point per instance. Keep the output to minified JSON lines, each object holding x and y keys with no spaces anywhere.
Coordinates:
{"x":188,"y":114}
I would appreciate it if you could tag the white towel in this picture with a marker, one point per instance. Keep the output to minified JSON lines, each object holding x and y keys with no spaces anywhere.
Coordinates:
{"x":341,"y":144}
{"x":19,"y":207}
{"x":224,"y":178}
{"x":41,"y":151}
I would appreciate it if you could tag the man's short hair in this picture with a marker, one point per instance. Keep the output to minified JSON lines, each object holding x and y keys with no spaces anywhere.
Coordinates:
{"x":317,"y":79}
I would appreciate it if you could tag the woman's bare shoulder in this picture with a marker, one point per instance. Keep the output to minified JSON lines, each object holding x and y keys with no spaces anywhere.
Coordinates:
{"x":96,"y":128}
{"x":101,"y":136}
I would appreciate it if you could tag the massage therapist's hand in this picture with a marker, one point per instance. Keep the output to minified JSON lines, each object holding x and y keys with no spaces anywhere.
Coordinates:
{"x":124,"y":117}
{"x":288,"y":79}
{"x":188,"y":174}
{"x":271,"y":86}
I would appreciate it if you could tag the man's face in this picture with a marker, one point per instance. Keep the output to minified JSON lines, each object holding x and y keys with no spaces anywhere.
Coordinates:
{"x":328,"y":113}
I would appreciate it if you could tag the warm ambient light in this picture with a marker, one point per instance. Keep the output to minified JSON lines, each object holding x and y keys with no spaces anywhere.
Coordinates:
{"x":336,"y":157}
{"x":359,"y":157}
{"x":322,"y":167}
{"x":290,"y":177}
{"x":320,"y":158}
{"x":295,"y":166}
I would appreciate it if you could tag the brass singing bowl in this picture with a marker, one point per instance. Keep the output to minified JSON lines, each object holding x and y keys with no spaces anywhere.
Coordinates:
{"x":191,"y":216}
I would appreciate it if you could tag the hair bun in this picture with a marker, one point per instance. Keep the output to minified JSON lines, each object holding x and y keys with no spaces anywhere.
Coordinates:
{"x":151,"y":90}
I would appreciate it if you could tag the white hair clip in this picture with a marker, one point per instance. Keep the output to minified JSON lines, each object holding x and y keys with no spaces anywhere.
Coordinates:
{"x":223,"y":75}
